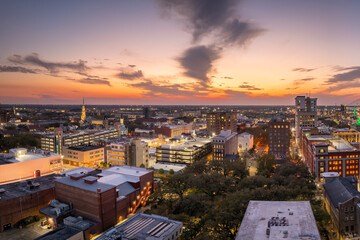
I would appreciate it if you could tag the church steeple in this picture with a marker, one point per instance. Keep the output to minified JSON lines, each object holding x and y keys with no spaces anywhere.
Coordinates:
{"x":83,"y":112}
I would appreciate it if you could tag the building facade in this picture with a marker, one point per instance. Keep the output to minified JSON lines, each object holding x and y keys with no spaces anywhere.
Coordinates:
{"x":245,"y":141}
{"x":324,"y":153}
{"x":55,"y":143}
{"x":133,"y":153}
{"x":226,"y":143}
{"x":21,"y":164}
{"x":83,"y":156}
{"x":109,"y":196}
{"x":185,"y":153}
{"x":220,"y":121}
{"x":341,"y":200}
{"x":305,"y":114}
{"x":279,"y":139}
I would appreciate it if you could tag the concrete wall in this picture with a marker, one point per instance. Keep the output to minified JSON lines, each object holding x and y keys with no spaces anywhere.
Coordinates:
{"x":23,"y":170}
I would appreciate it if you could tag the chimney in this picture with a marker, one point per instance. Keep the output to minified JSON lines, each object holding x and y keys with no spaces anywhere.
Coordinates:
{"x":99,"y":190}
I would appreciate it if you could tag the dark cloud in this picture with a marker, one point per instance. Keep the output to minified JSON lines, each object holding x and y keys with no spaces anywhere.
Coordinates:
{"x":34,"y":59}
{"x":168,"y":89}
{"x":203,"y":17}
{"x":291,"y":88}
{"x":215,"y":19}
{"x":352,"y":74}
{"x":92,"y":81}
{"x":303,"y":69}
{"x":16,"y":69}
{"x":303,"y":80}
{"x":75,"y":91}
{"x":44,"y":96}
{"x":249,"y":87}
{"x":228,"y":77}
{"x":238,"y":32}
{"x":198,"y":62}
{"x":130,"y":74}
{"x":132,"y":65}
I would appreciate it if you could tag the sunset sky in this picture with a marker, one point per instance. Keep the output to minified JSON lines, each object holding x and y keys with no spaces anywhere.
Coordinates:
{"x":179,"y":51}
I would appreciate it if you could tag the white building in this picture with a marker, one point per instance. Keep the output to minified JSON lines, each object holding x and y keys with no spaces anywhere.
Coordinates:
{"x":22,"y":164}
{"x":273,"y":220}
{"x":245,"y":141}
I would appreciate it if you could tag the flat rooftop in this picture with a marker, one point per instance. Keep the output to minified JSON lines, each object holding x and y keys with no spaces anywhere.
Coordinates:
{"x":298,"y":217}
{"x":127,"y":170}
{"x":22,"y":188}
{"x":60,"y":234}
{"x":143,"y":226}
{"x":84,"y":148}
{"x":167,"y":167}
{"x":86,"y":186}
{"x":7,"y":158}
{"x":336,"y":144}
{"x":199,"y":142}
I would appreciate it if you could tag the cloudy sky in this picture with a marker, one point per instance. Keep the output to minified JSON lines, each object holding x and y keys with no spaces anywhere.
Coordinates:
{"x":179,"y":51}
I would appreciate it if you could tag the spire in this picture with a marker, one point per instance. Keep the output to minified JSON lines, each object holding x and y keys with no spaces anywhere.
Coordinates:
{"x":83,"y":101}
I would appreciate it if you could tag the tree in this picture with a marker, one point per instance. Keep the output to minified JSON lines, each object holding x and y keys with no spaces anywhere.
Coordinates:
{"x":161,"y":171}
{"x":171,"y":172}
{"x":142,"y":165}
{"x":266,"y":165}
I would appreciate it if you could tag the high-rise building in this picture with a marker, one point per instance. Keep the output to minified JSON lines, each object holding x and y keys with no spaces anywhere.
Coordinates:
{"x":279,"y":139}
{"x":226,"y":143}
{"x":306,"y":114}
{"x":220,"y":121}
{"x":132,"y":153}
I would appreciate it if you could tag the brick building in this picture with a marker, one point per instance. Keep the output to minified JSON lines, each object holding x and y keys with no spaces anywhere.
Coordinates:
{"x":325,"y":153}
{"x":279,"y":139}
{"x":23,"y":199}
{"x":108,"y":197}
{"x":220,"y":121}
{"x":341,"y":201}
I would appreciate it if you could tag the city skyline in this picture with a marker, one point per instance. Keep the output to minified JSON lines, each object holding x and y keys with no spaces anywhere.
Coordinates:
{"x":179,"y":52}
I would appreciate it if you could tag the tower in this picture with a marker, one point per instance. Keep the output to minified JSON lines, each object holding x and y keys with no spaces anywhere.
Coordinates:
{"x":83,"y":112}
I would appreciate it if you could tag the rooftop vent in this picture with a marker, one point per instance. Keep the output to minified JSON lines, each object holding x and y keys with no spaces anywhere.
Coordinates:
{"x":90,"y":180}
{"x":2,"y":190}
{"x":76,"y":176}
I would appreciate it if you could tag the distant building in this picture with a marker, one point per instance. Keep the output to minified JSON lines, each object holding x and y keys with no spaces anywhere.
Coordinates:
{"x":326,"y":153}
{"x":185,"y":153}
{"x":22,"y":164}
{"x":245,"y":141}
{"x":342,"y":202}
{"x":220,"y":121}
{"x":55,"y":143}
{"x":350,"y":135}
{"x":144,"y":226}
{"x":305,"y":114}
{"x":133,"y":153}
{"x":173,"y":130}
{"x":226,"y":143}
{"x":279,"y":139}
{"x":274,"y":220}
{"x":83,"y":156}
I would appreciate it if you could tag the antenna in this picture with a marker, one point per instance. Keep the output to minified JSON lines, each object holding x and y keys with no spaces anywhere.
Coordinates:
{"x":83,"y":101}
